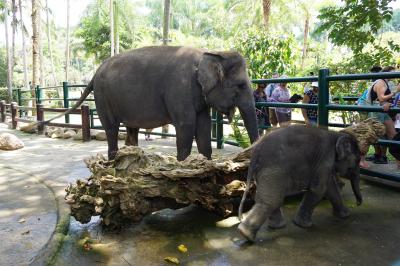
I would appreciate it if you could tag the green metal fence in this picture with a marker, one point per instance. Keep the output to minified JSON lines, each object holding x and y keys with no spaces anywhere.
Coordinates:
{"x":323,"y":106}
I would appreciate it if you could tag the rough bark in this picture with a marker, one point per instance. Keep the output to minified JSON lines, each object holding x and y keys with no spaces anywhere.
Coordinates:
{"x":305,"y":39}
{"x":67,"y":46}
{"x":112,"y":41}
{"x":137,"y":183}
{"x":9,"y":63}
{"x":266,"y":12}
{"x":14,"y":23}
{"x":23,"y":31}
{"x":53,"y":72}
{"x":35,"y":42}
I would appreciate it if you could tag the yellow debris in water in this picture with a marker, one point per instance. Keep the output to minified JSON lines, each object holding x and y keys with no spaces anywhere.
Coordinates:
{"x":182,"y":248}
{"x":172,"y":260}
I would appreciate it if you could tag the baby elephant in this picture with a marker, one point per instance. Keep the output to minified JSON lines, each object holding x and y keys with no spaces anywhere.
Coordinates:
{"x":296,"y":159}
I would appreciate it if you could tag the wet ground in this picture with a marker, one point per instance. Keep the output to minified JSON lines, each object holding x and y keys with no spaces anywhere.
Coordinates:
{"x":370,"y":236}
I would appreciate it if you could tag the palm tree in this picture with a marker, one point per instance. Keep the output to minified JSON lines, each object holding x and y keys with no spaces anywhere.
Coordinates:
{"x":67,"y":46}
{"x":112,"y":41}
{"x":266,"y":12}
{"x":9,"y":76}
{"x":23,"y":32}
{"x":53,"y":72}
{"x":14,"y":29}
{"x":35,"y":42}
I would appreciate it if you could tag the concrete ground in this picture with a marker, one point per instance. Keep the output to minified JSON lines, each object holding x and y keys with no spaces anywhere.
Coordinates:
{"x":35,"y":227}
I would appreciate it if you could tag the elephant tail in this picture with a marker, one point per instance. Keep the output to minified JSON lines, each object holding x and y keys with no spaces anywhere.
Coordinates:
{"x":248,"y":182}
{"x":86,"y":92}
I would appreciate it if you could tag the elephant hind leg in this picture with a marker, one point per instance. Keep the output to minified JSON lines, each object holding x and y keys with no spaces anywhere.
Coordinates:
{"x":255,"y":219}
{"x":276,"y":220}
{"x":306,"y":208}
{"x":132,"y":136}
{"x":112,"y":141}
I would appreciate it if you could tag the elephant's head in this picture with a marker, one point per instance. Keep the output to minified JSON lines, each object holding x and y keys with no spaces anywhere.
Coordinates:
{"x":347,"y":162}
{"x":226,"y":85}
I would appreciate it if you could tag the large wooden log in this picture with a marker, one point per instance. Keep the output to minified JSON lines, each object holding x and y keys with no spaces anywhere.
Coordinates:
{"x":137,"y":183}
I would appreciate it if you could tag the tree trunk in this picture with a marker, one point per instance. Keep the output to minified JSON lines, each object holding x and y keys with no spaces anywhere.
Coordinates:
{"x":67,"y":47}
{"x":167,"y":6}
{"x":26,"y":82}
{"x":112,"y":41}
{"x":305,"y":40}
{"x":53,"y":72}
{"x":116,"y":27}
{"x":9,"y":77}
{"x":14,"y":30}
{"x":41,"y":71}
{"x":266,"y":12}
{"x":35,"y":43}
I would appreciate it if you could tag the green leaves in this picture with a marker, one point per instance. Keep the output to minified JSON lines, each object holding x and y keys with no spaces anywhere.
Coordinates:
{"x":266,"y":54}
{"x":356,"y":23}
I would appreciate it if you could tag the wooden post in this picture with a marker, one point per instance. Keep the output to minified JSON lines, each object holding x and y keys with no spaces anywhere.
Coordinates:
{"x":14,"y":107}
{"x":40,"y":117}
{"x":3,"y":111}
{"x":85,"y":122}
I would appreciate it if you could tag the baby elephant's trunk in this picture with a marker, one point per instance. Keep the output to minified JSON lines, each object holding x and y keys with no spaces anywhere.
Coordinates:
{"x":355,"y":185}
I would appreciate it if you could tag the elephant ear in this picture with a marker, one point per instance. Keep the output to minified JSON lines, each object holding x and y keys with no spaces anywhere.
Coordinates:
{"x":344,"y":147}
{"x":210,"y":72}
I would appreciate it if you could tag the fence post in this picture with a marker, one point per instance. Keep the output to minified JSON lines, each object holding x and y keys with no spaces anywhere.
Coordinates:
{"x":85,"y":122}
{"x":19,"y":99}
{"x":220,"y":131}
{"x":14,"y":107}
{"x":38,"y":95}
{"x":323,"y":97}
{"x":213,"y":123}
{"x":40,"y":117}
{"x":66,"y":97}
{"x":3,"y":111}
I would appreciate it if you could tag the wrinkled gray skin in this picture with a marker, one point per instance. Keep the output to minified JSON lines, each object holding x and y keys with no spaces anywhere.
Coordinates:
{"x":296,"y":159}
{"x":153,"y":86}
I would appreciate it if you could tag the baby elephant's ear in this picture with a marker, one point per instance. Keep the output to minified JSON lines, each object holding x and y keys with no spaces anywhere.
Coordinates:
{"x":344,"y":147}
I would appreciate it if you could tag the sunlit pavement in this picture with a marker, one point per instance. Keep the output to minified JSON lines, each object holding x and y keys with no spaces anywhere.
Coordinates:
{"x":32,"y":183}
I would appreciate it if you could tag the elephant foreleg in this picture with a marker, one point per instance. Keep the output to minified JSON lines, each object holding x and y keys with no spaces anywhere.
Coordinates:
{"x":333,"y":195}
{"x":306,"y":208}
{"x":132,"y":136}
{"x":203,"y":134}
{"x":184,"y":140}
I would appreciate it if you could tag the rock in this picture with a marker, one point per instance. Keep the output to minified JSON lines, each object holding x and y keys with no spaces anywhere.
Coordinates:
{"x":101,"y":135}
{"x":69,"y":134}
{"x":58,"y":133}
{"x":93,"y":133}
{"x":78,"y":135}
{"x":10,"y":142}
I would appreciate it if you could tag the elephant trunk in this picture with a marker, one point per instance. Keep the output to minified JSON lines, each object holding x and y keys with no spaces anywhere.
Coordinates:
{"x":248,"y":113}
{"x":355,"y":186}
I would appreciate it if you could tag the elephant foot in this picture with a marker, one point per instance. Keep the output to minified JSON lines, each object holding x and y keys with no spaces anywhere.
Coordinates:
{"x":276,"y":224}
{"x":246,"y":232}
{"x":301,"y":222}
{"x":341,"y":213}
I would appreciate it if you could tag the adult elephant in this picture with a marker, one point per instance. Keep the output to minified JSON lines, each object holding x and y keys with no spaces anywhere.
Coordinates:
{"x":153,"y":86}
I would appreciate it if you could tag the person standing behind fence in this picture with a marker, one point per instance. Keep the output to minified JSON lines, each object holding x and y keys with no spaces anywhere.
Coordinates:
{"x":262,"y":112}
{"x":282,"y":95}
{"x":380,"y":95}
{"x":268,"y":92}
{"x":311,"y":96}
